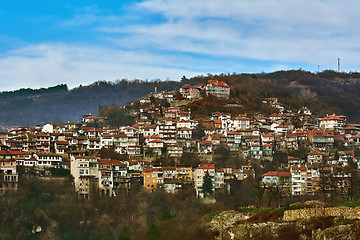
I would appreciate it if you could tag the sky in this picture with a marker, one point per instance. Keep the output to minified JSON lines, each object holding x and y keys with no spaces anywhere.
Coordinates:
{"x":45,"y":43}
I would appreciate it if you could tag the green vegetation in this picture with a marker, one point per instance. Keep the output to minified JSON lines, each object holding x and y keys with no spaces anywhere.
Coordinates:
{"x":349,"y":204}
{"x":212,"y":214}
{"x":207,"y":186}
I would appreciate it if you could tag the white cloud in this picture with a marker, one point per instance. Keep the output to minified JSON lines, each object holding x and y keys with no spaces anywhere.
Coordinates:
{"x":302,"y":31}
{"x":190,"y":38}
{"x":47,"y":65}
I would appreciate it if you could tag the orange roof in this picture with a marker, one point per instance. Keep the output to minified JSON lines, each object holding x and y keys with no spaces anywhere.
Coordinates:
{"x":242,"y":118}
{"x":186,"y":86}
{"x":110,"y":162}
{"x":206,"y":166}
{"x":279,"y":174}
{"x":331,"y":117}
{"x":4,"y":152}
{"x":315,"y":153}
{"x":218,"y":83}
{"x":230,"y":132}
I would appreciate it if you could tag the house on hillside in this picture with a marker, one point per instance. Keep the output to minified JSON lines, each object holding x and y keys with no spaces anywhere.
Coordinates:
{"x":199,"y":175}
{"x":190,"y":92}
{"x":332,"y":122}
{"x":281,"y":180}
{"x":218,"y":89}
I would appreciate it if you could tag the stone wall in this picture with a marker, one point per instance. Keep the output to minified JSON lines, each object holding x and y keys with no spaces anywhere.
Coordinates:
{"x":308,"y":213}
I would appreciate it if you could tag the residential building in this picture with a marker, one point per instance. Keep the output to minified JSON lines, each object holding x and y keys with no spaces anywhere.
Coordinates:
{"x":218,"y":89}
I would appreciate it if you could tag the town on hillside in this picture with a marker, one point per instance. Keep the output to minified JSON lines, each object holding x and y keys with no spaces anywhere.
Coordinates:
{"x":294,"y":152}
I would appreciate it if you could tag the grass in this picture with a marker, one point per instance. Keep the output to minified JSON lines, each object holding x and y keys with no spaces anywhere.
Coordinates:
{"x":349,"y":204}
{"x":288,"y":207}
{"x":212,"y":214}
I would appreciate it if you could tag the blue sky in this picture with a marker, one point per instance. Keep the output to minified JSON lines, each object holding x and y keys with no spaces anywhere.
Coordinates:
{"x":77,"y":42}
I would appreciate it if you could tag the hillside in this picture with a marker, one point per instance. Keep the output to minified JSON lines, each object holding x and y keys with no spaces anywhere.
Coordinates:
{"x":59,"y":104}
{"x":324,"y":93}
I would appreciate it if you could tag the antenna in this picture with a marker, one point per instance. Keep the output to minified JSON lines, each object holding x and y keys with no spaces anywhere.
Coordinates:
{"x":338,"y":64}
{"x":318,"y":68}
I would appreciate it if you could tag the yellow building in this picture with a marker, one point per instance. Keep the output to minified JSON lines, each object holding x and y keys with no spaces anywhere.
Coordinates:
{"x":184,"y":173}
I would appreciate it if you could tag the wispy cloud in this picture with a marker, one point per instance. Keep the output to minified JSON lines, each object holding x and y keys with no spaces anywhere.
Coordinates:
{"x":171,"y":38}
{"x":48,"y":65}
{"x":301,"y":31}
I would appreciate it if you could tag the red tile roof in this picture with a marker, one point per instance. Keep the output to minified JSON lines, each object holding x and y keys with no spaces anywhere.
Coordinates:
{"x":279,"y":174}
{"x":331,"y":117}
{"x":218,"y":83}
{"x":206,"y":166}
{"x":315,"y":153}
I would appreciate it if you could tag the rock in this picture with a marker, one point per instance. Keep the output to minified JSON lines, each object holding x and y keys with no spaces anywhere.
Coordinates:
{"x":234,"y":225}
{"x":308,"y":213}
{"x":36,"y":229}
{"x":341,"y":232}
{"x":228,"y":219}
{"x":314,"y":204}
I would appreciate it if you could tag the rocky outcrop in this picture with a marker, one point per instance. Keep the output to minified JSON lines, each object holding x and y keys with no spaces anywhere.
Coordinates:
{"x":241,"y":226}
{"x":308,"y":213}
{"x":340,"y":232}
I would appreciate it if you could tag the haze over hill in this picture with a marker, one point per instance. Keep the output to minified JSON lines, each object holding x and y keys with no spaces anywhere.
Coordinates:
{"x":324,"y":93}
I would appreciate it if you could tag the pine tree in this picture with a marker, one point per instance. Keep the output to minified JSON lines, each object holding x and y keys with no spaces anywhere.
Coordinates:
{"x":207,"y":184}
{"x":124,"y":234}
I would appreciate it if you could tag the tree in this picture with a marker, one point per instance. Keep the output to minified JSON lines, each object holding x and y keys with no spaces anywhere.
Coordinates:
{"x":354,"y":191}
{"x":108,"y":235}
{"x":207,"y":186}
{"x":221,"y":156}
{"x":109,"y":153}
{"x":166,"y":214}
{"x":189,"y":158}
{"x":152,"y":233}
{"x":116,"y":116}
{"x":124,"y":234}
{"x":198,"y":132}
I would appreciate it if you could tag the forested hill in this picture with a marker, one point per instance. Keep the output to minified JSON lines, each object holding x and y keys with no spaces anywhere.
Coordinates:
{"x":29,"y":107}
{"x":324,"y":93}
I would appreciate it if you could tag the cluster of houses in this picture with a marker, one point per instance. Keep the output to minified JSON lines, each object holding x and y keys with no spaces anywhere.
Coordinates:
{"x":218,"y":89}
{"x":308,"y":176}
{"x":108,"y":176}
{"x":170,"y":131}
